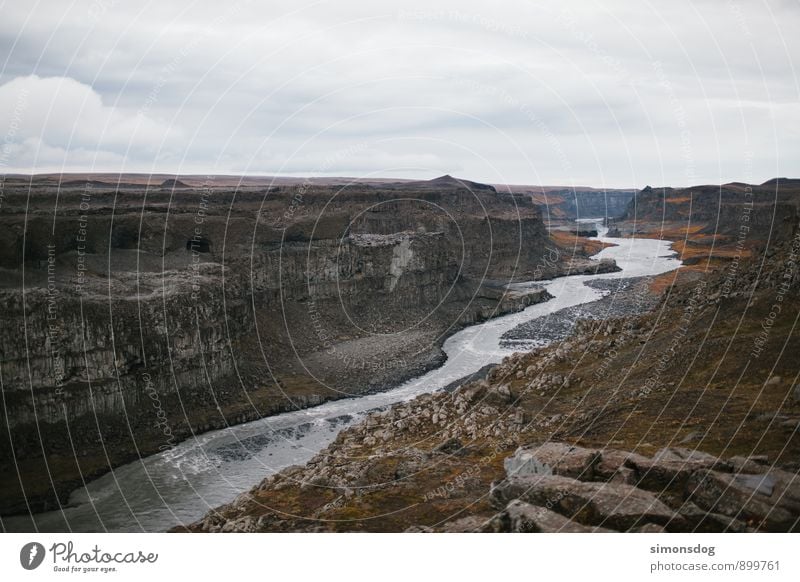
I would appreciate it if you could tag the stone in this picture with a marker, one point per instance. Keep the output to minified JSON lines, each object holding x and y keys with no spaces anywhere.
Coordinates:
{"x":691,"y":456}
{"x":701,"y":521}
{"x":612,"y":505}
{"x":418,"y":529}
{"x":553,"y":458}
{"x":469,"y":524}
{"x":649,"y":528}
{"x":449,"y":447}
{"x":745,"y":497}
{"x":751,"y":464}
{"x":498,"y":395}
{"x":618,"y":465}
{"x":521,"y":517}
{"x":670,"y":468}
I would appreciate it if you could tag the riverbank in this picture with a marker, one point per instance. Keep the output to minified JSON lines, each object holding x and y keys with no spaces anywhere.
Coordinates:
{"x":623,"y":297}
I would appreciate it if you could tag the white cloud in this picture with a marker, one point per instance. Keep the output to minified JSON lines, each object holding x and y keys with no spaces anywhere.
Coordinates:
{"x":59,"y":120}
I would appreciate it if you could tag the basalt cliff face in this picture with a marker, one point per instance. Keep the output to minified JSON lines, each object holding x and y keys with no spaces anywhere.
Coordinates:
{"x":137,"y":315}
{"x":723,"y":211}
{"x":560,"y":205}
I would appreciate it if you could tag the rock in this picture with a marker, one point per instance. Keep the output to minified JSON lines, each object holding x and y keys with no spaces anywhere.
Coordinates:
{"x":498,"y":395}
{"x":553,"y":459}
{"x":762,"y":484}
{"x":770,"y":501}
{"x":618,"y":466}
{"x":612,"y":505}
{"x":521,"y":517}
{"x":670,"y":468}
{"x":449,"y":447}
{"x":469,"y":524}
{"x":751,"y":464}
{"x":692,"y":437}
{"x":690,"y":456}
{"x":791,"y":424}
{"x":699,"y":520}
{"x":473,"y":393}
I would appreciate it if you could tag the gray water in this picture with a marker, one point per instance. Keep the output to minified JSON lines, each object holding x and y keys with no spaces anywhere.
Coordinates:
{"x":180,"y":485}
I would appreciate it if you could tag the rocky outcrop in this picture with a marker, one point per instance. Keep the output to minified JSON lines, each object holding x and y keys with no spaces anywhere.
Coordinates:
{"x":676,"y":489}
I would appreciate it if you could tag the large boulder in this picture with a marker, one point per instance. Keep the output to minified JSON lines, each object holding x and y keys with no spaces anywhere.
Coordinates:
{"x":611,"y":505}
{"x":769,"y":501}
{"x":619,"y":466}
{"x":669,"y":469}
{"x":553,"y":459}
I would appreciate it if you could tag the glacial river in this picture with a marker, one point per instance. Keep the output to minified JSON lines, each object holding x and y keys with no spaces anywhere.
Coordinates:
{"x":180,"y":485}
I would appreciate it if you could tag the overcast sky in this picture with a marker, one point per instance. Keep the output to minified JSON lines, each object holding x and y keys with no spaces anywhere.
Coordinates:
{"x":605,"y":93}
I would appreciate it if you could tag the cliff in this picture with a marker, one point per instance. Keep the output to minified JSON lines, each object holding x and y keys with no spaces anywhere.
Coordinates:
{"x":136,"y":316}
{"x":560,"y":205}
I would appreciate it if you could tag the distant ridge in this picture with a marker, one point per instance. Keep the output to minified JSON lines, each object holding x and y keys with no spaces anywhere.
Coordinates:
{"x":448,"y":182}
{"x":173,"y":183}
{"x":782,"y":182}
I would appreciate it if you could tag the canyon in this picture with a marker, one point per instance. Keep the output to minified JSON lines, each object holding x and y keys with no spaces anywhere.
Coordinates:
{"x":142,"y":311}
{"x":205,"y":303}
{"x":683,"y":417}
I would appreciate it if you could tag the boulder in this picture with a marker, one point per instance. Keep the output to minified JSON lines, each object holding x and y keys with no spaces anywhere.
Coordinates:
{"x":750,"y":464}
{"x":769,"y":501}
{"x":521,"y":517}
{"x":449,"y":447}
{"x":618,"y":466}
{"x":691,"y":457}
{"x":498,"y":395}
{"x":670,"y":468}
{"x":553,"y":459}
{"x":701,"y":521}
{"x":612,"y":505}
{"x":473,"y":393}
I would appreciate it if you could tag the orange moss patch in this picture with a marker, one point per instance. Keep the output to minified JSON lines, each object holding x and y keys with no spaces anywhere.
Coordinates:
{"x":690,"y":250}
{"x":572,"y":244}
{"x":662,"y":282}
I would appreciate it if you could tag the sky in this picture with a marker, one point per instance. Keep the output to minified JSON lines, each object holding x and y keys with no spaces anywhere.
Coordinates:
{"x":603,"y":93}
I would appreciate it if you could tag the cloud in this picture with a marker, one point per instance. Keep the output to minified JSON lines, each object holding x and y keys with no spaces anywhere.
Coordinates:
{"x":59,"y":120}
{"x":604,"y":93}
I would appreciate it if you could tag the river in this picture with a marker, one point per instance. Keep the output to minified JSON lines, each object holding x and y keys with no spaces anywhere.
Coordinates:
{"x":180,"y":485}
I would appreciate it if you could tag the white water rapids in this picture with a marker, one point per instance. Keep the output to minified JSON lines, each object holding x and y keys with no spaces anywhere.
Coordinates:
{"x":180,"y":485}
